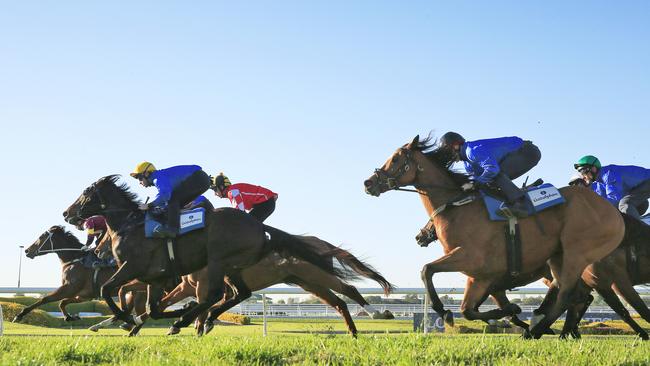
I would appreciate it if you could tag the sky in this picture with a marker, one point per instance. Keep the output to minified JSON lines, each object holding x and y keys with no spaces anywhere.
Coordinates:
{"x":305,"y":98}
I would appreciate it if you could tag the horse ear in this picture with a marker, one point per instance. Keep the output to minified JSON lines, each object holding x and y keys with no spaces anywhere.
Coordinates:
{"x":415,"y":142}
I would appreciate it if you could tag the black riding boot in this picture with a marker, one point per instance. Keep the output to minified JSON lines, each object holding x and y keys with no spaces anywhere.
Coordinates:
{"x":515,"y":198}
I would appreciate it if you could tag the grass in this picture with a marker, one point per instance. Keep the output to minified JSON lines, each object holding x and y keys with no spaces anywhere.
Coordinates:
{"x":301,"y":342}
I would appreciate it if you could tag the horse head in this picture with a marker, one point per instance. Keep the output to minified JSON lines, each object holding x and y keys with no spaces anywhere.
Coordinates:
{"x":398,"y":171}
{"x":55,"y":239}
{"x":101,"y":197}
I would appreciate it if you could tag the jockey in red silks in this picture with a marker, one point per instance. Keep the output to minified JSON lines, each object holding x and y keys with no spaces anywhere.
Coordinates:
{"x":95,"y":228}
{"x":258,"y":201}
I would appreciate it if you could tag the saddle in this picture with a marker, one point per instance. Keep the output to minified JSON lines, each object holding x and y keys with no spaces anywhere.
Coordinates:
{"x":539,"y":196}
{"x":189,"y":220}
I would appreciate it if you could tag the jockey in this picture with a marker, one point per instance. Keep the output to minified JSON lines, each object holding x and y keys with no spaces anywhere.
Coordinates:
{"x":95,"y":228}
{"x":624,"y":186}
{"x":496,"y":162}
{"x":177,"y":186}
{"x":259,"y":201}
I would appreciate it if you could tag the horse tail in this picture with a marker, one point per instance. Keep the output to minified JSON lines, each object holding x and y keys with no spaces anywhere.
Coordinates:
{"x":294,"y":245}
{"x":351,"y":263}
{"x":347,"y":259}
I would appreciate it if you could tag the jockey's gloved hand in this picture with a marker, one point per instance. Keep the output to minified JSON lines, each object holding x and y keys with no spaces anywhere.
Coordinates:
{"x":469,"y":186}
{"x":85,"y":248}
{"x":143,"y":206}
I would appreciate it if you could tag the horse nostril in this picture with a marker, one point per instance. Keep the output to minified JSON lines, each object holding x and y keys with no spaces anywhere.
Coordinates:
{"x":367,"y":183}
{"x":65,"y":214}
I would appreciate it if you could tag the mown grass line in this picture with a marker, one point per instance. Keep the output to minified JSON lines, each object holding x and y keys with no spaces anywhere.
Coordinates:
{"x":244,"y":345}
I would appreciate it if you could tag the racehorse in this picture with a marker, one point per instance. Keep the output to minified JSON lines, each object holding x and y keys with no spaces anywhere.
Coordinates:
{"x":617,"y":274}
{"x":79,"y":282}
{"x":231,"y":241}
{"x":274,"y":269}
{"x":582,"y":231}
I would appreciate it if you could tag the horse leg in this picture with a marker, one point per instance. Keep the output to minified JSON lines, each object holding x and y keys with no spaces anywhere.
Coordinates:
{"x":335,"y":302}
{"x":623,"y":286}
{"x":122,"y":276}
{"x":139,"y":300}
{"x":352,"y":293}
{"x":581,"y":300}
{"x":241,"y":293}
{"x":66,"y":302}
{"x":569,"y":275}
{"x":215,"y":292}
{"x":476,"y":291}
{"x":615,"y":303}
{"x":504,"y":303}
{"x":63,"y":292}
{"x":451,"y":262}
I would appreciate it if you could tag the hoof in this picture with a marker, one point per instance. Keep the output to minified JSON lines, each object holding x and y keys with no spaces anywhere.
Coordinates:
{"x":72,"y":318}
{"x":354,"y":335}
{"x":448,"y":317}
{"x":199,"y":331}
{"x":134,"y":332}
{"x":173,"y":330}
{"x":575,"y":334}
{"x":94,"y":328}
{"x":207,"y":327}
{"x":527,"y":336}
{"x":17,"y":319}
{"x":644,"y":336}
{"x":127,"y":327}
{"x":564,"y":336}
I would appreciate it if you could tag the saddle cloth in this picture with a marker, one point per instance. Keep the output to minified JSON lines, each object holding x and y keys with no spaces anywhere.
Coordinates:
{"x":646,"y":219}
{"x":540,"y":198}
{"x":189,"y":220}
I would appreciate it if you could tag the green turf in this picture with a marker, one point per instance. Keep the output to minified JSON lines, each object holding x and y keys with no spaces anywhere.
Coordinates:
{"x":303,"y":342}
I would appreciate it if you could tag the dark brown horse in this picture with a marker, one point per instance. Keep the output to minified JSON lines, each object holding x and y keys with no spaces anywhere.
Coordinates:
{"x":583,"y":230}
{"x":274,"y":269}
{"x":231,"y":241}
{"x":79,"y":283}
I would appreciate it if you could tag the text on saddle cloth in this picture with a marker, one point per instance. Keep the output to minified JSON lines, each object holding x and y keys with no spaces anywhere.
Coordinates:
{"x":541,"y":197}
{"x":189,"y":220}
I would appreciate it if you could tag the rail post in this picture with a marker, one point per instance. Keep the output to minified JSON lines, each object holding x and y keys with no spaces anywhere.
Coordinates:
{"x":425,"y":316}
{"x":264,"y":332}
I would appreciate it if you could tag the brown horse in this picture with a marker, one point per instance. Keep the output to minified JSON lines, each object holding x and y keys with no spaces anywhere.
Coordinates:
{"x":274,"y":269}
{"x":231,"y":241}
{"x":582,"y":231}
{"x":79,"y":282}
{"x":617,"y":274}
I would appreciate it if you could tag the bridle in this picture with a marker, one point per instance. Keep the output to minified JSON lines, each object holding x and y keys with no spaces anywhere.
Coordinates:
{"x":50,"y":239}
{"x":390,"y":181}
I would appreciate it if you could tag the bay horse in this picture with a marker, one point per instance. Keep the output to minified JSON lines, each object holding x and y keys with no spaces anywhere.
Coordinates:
{"x":617,"y":274}
{"x":274,"y":269}
{"x":583,"y":230}
{"x":79,"y":283}
{"x":231,"y":241}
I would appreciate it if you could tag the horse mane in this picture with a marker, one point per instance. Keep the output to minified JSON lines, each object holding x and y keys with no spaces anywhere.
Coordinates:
{"x":122,"y":188}
{"x":442,"y":158}
{"x":70,"y":237}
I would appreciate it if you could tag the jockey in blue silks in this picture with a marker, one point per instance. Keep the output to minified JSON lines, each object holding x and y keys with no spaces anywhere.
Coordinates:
{"x":493,"y":162}
{"x":496,"y":162}
{"x":624,"y":186}
{"x":177,"y":186}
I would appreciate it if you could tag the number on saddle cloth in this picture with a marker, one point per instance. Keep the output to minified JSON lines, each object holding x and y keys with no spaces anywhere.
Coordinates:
{"x":540,"y":198}
{"x":190,"y":220}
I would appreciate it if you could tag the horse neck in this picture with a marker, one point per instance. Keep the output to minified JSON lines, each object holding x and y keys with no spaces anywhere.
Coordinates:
{"x":67,"y":256}
{"x":435,"y":186}
{"x":115,"y":219}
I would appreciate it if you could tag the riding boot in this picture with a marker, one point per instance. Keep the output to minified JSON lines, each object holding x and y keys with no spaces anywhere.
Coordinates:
{"x":515,"y":198}
{"x":171,"y":229}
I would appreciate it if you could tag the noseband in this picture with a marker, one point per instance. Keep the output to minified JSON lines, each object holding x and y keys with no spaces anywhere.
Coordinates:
{"x":390,"y":181}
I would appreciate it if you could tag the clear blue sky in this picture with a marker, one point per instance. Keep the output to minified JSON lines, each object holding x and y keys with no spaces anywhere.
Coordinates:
{"x":306,"y":98}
